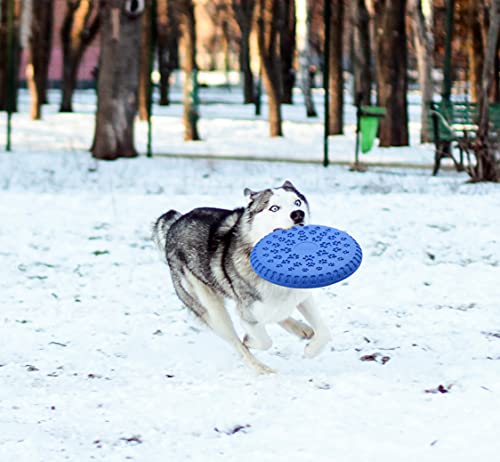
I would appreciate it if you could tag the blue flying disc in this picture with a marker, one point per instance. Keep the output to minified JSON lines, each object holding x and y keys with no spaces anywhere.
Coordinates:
{"x":306,"y":256}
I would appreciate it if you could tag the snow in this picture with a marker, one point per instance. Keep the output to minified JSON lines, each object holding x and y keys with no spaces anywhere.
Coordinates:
{"x":99,"y":360}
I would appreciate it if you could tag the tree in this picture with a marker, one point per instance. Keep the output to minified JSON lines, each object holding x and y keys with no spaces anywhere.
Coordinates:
{"x":79,"y":28}
{"x":361,"y":52}
{"x":118,"y":78}
{"x":38,"y":47}
{"x":145,"y":62}
{"x":421,"y":20}
{"x":243,"y":11}
{"x":391,"y":70}
{"x":487,"y":167}
{"x":269,"y":18}
{"x":475,"y":47}
{"x":336,"y":78}
{"x":287,"y":51}
{"x":168,"y":45}
{"x":304,"y":19}
{"x":4,"y":85}
{"x":188,"y":32}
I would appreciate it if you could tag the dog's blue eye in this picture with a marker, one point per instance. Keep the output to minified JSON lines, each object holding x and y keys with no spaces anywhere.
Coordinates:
{"x":298,"y":203}
{"x":274,"y":208}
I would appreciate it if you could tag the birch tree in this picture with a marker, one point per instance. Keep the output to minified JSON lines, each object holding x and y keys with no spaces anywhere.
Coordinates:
{"x":423,"y":38}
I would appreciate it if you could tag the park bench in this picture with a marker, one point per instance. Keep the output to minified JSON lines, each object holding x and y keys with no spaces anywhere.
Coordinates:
{"x":455,"y":124}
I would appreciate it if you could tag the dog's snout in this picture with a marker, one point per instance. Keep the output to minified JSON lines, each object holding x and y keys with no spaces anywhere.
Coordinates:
{"x":297,"y":216}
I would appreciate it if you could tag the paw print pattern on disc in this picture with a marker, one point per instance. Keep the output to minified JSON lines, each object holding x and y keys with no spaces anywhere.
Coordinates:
{"x":306,"y":256}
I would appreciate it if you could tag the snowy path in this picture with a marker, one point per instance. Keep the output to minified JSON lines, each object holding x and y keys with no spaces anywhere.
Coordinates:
{"x":99,"y":361}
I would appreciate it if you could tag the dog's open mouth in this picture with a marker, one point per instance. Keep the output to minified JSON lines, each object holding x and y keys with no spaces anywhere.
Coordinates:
{"x":296,"y":224}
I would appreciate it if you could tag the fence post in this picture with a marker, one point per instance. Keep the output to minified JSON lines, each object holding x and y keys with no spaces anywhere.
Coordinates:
{"x":149,"y":149}
{"x":9,"y":100}
{"x":326,"y":77}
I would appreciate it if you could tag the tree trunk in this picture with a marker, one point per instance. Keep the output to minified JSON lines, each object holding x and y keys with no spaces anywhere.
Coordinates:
{"x":145,"y":63}
{"x":268,"y":22}
{"x":421,"y":17}
{"x":39,"y":45}
{"x":391,"y":71}
{"x":3,"y":54}
{"x":190,"y":96}
{"x":243,"y":12}
{"x":336,"y":76}
{"x":495,"y":86}
{"x":287,"y":52}
{"x":487,"y":167}
{"x":77,"y":32}
{"x":474,"y":48}
{"x":304,"y":9}
{"x":118,"y":79}
{"x":168,"y":44}
{"x":361,"y":52}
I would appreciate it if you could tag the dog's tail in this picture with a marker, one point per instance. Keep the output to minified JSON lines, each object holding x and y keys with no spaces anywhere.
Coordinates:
{"x":161,"y":227}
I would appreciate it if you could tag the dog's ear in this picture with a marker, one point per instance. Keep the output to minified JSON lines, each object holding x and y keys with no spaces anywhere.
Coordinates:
{"x":288,"y":185}
{"x":248,"y":192}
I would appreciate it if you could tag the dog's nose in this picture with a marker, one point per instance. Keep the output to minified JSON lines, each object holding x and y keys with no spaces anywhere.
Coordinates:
{"x":297,"y":216}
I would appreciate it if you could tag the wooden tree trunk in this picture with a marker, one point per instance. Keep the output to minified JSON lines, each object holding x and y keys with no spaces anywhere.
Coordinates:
{"x":39,"y":47}
{"x":188,"y":30}
{"x":287,"y":52}
{"x":475,"y":48}
{"x":421,"y":17}
{"x":77,"y":33}
{"x":487,"y":167}
{"x":3,"y":54}
{"x":336,"y":77}
{"x":495,"y":86}
{"x":145,"y":63}
{"x":243,"y":12}
{"x":168,"y":44}
{"x":304,"y":20}
{"x":118,"y":79}
{"x":392,"y":81}
{"x":361,"y":52}
{"x":268,"y":22}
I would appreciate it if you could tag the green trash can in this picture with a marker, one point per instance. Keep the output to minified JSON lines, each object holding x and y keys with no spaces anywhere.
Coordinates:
{"x":368,"y":125}
{"x":368,"y":118}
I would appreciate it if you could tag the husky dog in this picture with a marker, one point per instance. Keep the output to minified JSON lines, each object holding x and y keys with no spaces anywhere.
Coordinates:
{"x":208,"y":252}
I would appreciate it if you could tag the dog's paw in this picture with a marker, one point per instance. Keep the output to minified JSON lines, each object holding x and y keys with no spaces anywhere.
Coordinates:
{"x":262,"y":369}
{"x":316,"y":345}
{"x":303,"y":330}
{"x":257,"y":343}
{"x":298,"y":328}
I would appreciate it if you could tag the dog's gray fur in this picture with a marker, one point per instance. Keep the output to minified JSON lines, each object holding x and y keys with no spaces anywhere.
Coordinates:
{"x":208,"y":252}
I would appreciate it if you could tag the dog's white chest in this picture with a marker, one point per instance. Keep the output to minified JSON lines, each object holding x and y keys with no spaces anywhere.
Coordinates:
{"x":277,"y":303}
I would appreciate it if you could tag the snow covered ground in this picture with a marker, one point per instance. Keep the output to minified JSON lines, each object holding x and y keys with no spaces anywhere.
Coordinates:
{"x":99,"y":360}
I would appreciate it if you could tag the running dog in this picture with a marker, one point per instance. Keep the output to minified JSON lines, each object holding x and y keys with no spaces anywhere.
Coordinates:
{"x":208,"y":252}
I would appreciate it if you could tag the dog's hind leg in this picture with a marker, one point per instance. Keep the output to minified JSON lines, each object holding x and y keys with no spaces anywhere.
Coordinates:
{"x":217,"y":318}
{"x":298,"y":328}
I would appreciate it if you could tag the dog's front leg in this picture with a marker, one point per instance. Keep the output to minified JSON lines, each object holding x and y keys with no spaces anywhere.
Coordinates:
{"x":321,"y":333}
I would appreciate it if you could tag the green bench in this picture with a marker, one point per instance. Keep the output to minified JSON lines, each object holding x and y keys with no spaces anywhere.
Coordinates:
{"x":454,"y":124}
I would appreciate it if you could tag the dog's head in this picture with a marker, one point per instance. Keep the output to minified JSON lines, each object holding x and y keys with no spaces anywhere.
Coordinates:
{"x":277,"y":208}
